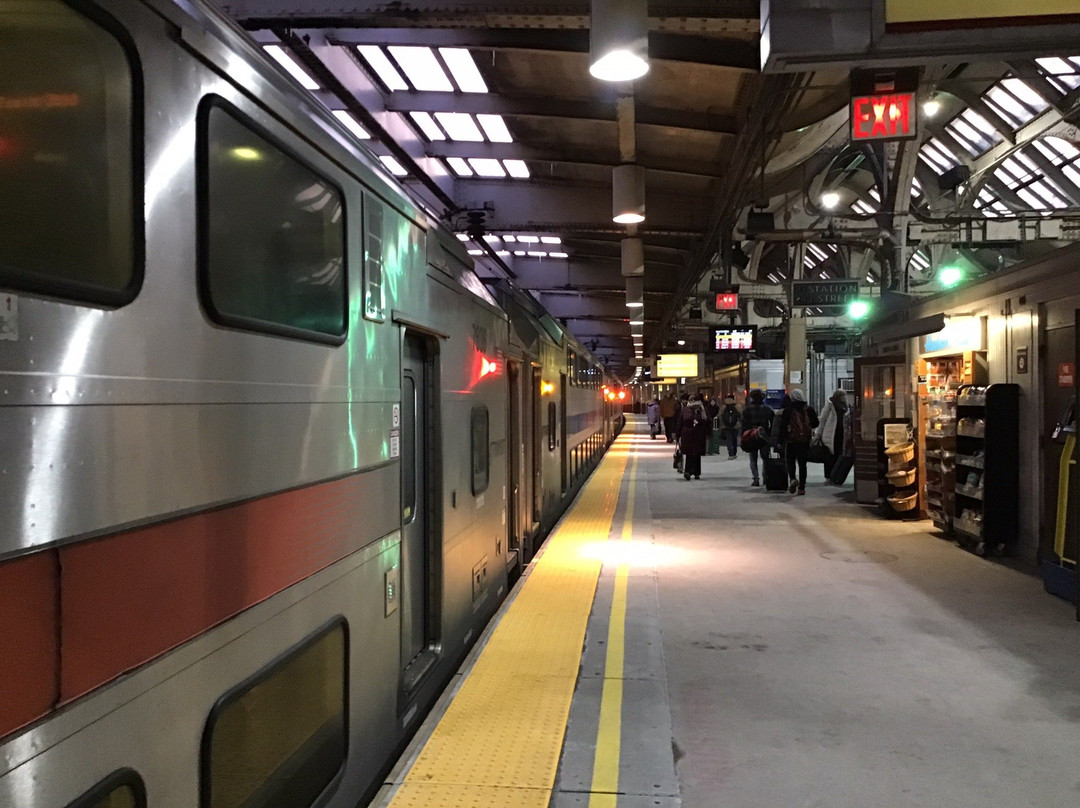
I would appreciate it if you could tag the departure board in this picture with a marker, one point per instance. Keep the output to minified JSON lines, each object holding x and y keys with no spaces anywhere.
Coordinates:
{"x":734,"y":338}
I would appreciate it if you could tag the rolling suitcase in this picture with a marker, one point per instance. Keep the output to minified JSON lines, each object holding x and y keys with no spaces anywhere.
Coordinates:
{"x":841,"y":468}
{"x":774,"y":470}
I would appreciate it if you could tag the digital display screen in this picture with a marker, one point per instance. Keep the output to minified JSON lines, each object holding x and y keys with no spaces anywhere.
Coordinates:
{"x":675,"y":366}
{"x":734,"y":338}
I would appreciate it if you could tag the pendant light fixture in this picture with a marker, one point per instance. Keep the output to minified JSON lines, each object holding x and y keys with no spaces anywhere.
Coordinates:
{"x":619,"y":40}
{"x":635,"y":292}
{"x":628,"y":194}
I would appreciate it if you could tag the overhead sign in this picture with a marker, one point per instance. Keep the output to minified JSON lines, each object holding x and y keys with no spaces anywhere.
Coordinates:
{"x":823,"y":293}
{"x":889,"y":116}
{"x":727,"y":301}
{"x":734,"y":338}
{"x":900,"y":12}
{"x":676,"y":365}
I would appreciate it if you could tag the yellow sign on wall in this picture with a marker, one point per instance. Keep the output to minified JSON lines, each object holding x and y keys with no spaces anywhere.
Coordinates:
{"x":676,"y":365}
{"x":912,"y":11}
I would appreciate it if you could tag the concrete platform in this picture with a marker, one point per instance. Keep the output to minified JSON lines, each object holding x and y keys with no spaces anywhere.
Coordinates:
{"x":801,"y":651}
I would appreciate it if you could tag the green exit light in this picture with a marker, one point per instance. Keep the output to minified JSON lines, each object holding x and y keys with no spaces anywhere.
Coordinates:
{"x":950,"y":276}
{"x":857,"y":309}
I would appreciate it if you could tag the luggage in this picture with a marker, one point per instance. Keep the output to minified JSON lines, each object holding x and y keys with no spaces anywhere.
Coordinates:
{"x":714,"y":439}
{"x":677,"y":461}
{"x":774,"y":470}
{"x":819,"y":453}
{"x":841,"y":468}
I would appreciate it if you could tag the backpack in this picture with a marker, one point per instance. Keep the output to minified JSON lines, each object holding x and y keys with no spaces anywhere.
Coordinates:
{"x":799,"y":430}
{"x":730,"y":416}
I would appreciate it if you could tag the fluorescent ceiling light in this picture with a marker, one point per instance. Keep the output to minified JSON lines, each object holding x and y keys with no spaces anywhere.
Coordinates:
{"x":550,"y":240}
{"x":537,"y":254}
{"x":559,"y":255}
{"x":422,"y":68}
{"x":386,"y":72}
{"x":463,"y":69}
{"x":461,"y":168}
{"x":529,"y":239}
{"x":830,"y":199}
{"x":476,"y":252}
{"x":395,"y":167}
{"x":350,"y":123}
{"x":490,"y":239}
{"x":502,"y":253}
{"x":487,"y":167}
{"x":495,"y":128}
{"x":509,"y":239}
{"x":460,"y":126}
{"x":463,"y":236}
{"x":278,"y":54}
{"x":519,"y":252}
{"x":517,"y":168}
{"x":427,"y":125}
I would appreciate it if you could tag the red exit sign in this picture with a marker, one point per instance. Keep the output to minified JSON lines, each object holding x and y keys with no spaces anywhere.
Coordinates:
{"x":727,"y":301}
{"x":890,"y":116}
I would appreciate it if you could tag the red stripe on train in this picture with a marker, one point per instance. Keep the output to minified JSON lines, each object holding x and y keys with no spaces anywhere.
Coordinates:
{"x":127,"y":598}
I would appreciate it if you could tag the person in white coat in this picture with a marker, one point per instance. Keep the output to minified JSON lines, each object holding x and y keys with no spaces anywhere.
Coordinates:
{"x":831,"y":429}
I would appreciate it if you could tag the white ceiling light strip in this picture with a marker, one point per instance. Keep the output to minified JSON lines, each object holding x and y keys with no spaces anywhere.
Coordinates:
{"x":459,"y":126}
{"x":395,"y":167}
{"x":495,"y":128}
{"x":351,"y":124}
{"x":278,"y":54}
{"x":421,"y":68}
{"x":427,"y":125}
{"x":487,"y":167}
{"x":463,"y":69}
{"x":517,"y":168}
{"x":460,"y":167}
{"x":386,"y":72}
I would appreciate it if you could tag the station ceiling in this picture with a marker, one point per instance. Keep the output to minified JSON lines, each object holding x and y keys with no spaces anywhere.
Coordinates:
{"x":488,"y":109}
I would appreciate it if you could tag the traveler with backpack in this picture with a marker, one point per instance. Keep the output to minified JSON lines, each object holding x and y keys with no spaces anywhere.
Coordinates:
{"x":668,"y":407}
{"x":693,"y":438}
{"x":756,"y":416}
{"x":797,"y":425}
{"x":729,"y":423}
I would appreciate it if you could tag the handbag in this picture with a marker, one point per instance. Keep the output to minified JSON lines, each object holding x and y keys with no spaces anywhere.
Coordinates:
{"x":677,"y":460}
{"x":819,"y":453}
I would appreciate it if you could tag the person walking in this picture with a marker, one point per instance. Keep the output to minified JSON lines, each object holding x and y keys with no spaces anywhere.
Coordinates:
{"x":797,"y":425}
{"x":668,"y":408}
{"x":756,"y":414}
{"x":831,"y":431}
{"x":693,"y":438}
{"x":729,"y":423}
{"x":652,"y":415}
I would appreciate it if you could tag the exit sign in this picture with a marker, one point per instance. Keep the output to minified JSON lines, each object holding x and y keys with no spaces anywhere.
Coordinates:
{"x":888,"y":116}
{"x":727,"y":301}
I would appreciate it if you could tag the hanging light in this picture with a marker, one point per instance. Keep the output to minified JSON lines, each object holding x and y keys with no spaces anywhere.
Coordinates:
{"x":633,"y":257}
{"x":628,"y":194}
{"x":635,"y":292}
{"x":619,"y":40}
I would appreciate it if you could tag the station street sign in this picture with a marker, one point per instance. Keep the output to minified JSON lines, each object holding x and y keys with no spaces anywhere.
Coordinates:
{"x":816,"y":294}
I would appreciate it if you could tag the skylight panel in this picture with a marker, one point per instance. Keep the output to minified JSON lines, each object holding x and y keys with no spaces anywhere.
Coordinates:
{"x":476,"y":252}
{"x":517,"y":168}
{"x":351,"y":124}
{"x":1064,"y":74}
{"x":816,"y":250}
{"x":1065,"y":147}
{"x":386,"y":72}
{"x":1008,"y":107}
{"x":943,"y":151}
{"x":463,"y":236}
{"x":536,"y":254}
{"x":1072,"y":174}
{"x":502,"y":253}
{"x":278,"y":54}
{"x":395,"y":167}
{"x":981,"y":124}
{"x":461,"y":168}
{"x":427,"y":125}
{"x":1045,"y":191}
{"x":487,"y":167}
{"x":463,"y":69}
{"x":495,"y":128}
{"x":1026,"y":94}
{"x":490,"y":239}
{"x":460,"y":126}
{"x":519,"y":253}
{"x":559,"y":255}
{"x":550,"y":240}
{"x":976,"y":142}
{"x":1031,"y":198}
{"x":509,"y":239}
{"x":529,"y":239}
{"x":421,"y":68}
{"x":873,"y":194}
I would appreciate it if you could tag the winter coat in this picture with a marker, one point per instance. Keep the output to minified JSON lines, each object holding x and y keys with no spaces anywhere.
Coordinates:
{"x":831,"y":419}
{"x":669,"y":405}
{"x":652,"y":412}
{"x":785,"y":420}
{"x":756,"y":415}
{"x":693,"y":435}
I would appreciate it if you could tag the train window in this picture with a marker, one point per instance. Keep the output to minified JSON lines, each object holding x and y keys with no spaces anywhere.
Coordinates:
{"x":70,"y":154}
{"x":280,"y":738}
{"x":374,"y":306}
{"x":552,"y":426}
{"x":121,"y":789}
{"x":272,"y":234}
{"x":480,"y":453}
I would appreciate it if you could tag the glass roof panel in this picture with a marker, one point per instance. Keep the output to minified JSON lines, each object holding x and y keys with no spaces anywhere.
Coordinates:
{"x":421,"y":67}
{"x":517,"y":168}
{"x":459,"y":126}
{"x":1026,"y":94}
{"x":427,"y":125}
{"x":386,"y":72}
{"x":395,"y":167}
{"x":278,"y":54}
{"x":487,"y":167}
{"x":1008,"y":107}
{"x":495,"y":128}
{"x":461,"y":168}
{"x":351,"y":124}
{"x":463,"y":68}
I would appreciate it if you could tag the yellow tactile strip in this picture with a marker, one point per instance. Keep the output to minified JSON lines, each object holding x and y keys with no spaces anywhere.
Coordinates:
{"x":499,"y":741}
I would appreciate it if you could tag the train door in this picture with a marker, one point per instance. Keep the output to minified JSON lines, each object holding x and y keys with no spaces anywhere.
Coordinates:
{"x":564,"y":453}
{"x":418,"y":561}
{"x":537,"y":452}
{"x":1059,"y":356}
{"x":515,"y":456}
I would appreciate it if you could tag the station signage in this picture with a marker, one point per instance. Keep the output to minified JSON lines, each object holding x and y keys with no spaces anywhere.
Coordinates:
{"x":727,"y":301}
{"x":734,"y":338}
{"x":818,"y":294}
{"x":888,"y":116}
{"x":670,"y":366}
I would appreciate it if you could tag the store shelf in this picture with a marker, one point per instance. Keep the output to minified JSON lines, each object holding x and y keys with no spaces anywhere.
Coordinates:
{"x":970,"y":493}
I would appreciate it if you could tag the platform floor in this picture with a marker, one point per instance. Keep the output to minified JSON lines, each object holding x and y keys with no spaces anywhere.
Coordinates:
{"x":739,"y":648}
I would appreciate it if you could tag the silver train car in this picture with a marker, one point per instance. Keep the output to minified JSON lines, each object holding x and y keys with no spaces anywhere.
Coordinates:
{"x":271,"y":453}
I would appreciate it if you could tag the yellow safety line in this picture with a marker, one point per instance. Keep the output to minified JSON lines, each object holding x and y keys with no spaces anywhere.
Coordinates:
{"x":605,"y":781}
{"x":499,"y":742}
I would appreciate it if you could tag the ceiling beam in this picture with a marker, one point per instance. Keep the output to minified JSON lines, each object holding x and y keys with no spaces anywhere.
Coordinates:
{"x":492,"y":104}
